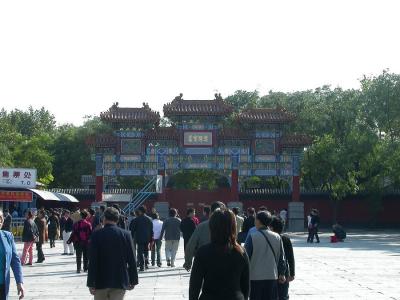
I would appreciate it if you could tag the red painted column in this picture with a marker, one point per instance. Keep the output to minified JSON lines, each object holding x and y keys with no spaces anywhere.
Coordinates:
{"x":99,"y":188}
{"x":235,"y":185}
{"x":296,"y":188}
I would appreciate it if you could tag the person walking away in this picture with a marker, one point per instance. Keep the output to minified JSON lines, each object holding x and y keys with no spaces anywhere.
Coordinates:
{"x":40,"y":222}
{"x":200,"y":236}
{"x":80,"y":236}
{"x":112,"y":266}
{"x":315,"y":220}
{"x":277,"y":226}
{"x":188,"y":226}
{"x":249,"y":221}
{"x":283,"y":216}
{"x":220,"y":268}
{"x":157,"y":242}
{"x":206,"y":214}
{"x":9,"y":259}
{"x":267,"y":259}
{"x":30,"y":233}
{"x":122,"y":219}
{"x":54,"y":228}
{"x":7,"y":221}
{"x":171,"y":229}
{"x":309,"y":227}
{"x":142,"y":232}
{"x":68,"y":226}
{"x":239,"y":223}
{"x":98,"y":218}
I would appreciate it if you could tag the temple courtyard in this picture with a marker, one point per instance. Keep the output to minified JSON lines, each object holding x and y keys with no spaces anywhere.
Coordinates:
{"x":366,"y":266}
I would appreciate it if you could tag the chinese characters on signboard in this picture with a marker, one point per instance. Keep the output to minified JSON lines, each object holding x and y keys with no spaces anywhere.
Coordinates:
{"x":197,"y":138}
{"x":131,"y":146}
{"x":265,"y":146}
{"x":24,"y":178}
{"x":20,"y":196}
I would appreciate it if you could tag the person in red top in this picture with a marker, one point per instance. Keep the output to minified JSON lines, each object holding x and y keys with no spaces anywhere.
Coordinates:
{"x":80,"y":238}
{"x":195,"y":219}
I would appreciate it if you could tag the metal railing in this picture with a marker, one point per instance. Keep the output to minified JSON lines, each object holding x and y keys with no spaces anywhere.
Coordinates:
{"x":140,"y":197}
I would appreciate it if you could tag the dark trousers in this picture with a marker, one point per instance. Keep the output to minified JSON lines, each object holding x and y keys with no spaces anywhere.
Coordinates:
{"x":52,"y":242}
{"x":283,"y":291}
{"x":263,"y":290}
{"x":142,"y":254}
{"x":185,"y":241}
{"x":156,"y":250}
{"x":40,"y":254}
{"x":2,"y":291}
{"x":81,"y":250}
{"x":314,"y":234}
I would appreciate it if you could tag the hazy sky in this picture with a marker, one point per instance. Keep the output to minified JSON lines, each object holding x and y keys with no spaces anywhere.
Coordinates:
{"x":77,"y":57}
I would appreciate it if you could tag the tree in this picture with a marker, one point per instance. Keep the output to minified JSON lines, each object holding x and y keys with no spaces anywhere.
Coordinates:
{"x":243,"y":99}
{"x":327,"y":164}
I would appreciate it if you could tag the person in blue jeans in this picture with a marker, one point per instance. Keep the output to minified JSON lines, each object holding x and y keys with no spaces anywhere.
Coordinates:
{"x":9,"y":259}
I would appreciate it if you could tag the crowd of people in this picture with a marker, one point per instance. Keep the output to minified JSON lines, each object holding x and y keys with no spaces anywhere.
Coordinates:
{"x":230,"y":255}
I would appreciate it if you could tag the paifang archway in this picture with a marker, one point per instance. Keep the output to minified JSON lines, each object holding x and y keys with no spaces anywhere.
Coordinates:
{"x":204,"y":134}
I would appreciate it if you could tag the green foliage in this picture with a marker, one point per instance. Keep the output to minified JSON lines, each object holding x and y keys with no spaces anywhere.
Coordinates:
{"x":197,"y":180}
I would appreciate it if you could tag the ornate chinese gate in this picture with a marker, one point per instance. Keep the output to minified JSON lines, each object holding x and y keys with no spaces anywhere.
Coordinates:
{"x":205,"y":134}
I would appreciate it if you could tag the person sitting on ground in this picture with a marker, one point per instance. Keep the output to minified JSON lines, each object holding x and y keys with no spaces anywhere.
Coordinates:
{"x":200,"y":236}
{"x":339,"y":232}
{"x":220,"y":268}
{"x":277,"y":225}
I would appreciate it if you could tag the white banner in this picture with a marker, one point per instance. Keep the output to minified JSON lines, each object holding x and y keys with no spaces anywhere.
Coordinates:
{"x":18,"y":178}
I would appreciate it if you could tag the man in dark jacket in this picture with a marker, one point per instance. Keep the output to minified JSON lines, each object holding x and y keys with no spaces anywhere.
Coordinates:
{"x":277,"y":225}
{"x":40,"y":222}
{"x":250,"y":220}
{"x":187,"y":226}
{"x":112,"y":266}
{"x":142,"y":232}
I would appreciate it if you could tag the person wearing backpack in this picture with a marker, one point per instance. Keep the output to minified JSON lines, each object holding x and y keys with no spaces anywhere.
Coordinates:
{"x":80,"y":236}
{"x":267,"y":259}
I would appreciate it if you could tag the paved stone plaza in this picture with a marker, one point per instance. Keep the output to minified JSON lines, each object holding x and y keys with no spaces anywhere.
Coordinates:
{"x":367,"y":266}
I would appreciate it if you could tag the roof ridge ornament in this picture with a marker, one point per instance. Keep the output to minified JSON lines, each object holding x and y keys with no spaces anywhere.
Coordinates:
{"x":218,"y":97}
{"x":114,"y":106}
{"x":179,"y":98}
